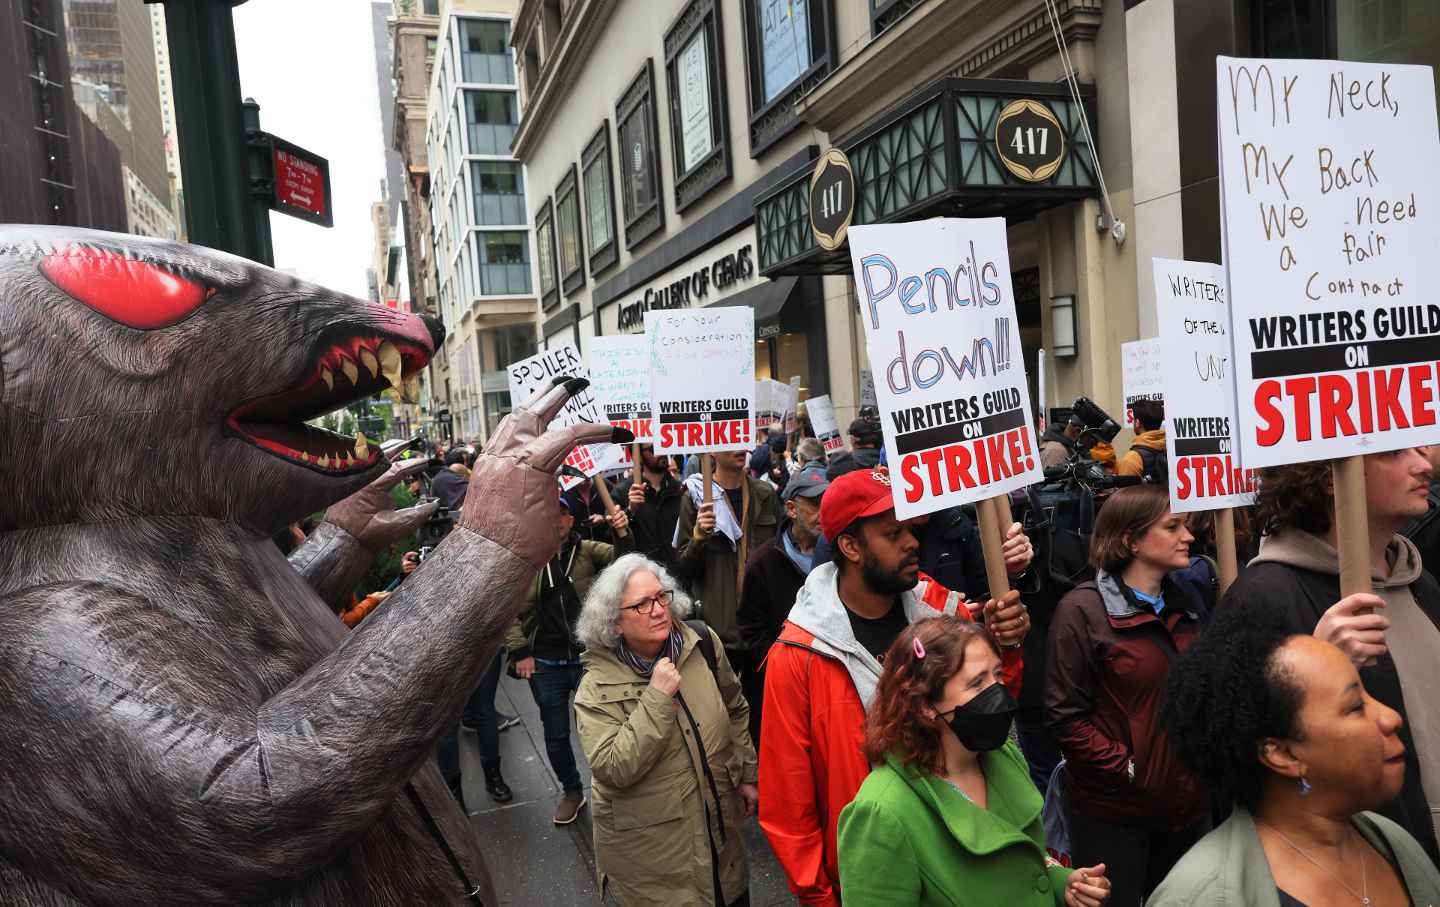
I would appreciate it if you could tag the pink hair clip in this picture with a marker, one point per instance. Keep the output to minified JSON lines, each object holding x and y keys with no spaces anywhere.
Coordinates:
{"x":919,"y":648}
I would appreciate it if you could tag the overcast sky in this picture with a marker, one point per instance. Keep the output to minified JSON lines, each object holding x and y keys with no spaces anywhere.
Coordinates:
{"x":311,"y":67}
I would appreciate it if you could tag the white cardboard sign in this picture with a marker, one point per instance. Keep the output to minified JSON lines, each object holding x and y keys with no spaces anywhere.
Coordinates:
{"x":1331,"y":225}
{"x":939,"y":315}
{"x":771,"y":397}
{"x":529,"y":375}
{"x":1200,"y":424}
{"x":1140,"y":373}
{"x":822,"y":419}
{"x":620,"y":378}
{"x":702,"y":378}
{"x":867,"y":388}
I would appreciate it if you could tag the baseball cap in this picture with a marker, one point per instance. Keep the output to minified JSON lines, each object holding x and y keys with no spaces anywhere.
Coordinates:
{"x":862,"y":493}
{"x":807,"y":483}
{"x":865,"y":427}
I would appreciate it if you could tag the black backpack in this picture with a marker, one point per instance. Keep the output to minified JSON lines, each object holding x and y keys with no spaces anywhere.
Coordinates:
{"x":706,"y":644}
{"x":1154,"y":465}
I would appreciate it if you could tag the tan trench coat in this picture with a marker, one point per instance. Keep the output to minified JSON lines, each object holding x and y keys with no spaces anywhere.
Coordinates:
{"x":653,"y":811}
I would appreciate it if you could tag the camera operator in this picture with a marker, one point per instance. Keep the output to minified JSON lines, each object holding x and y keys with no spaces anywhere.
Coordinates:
{"x":864,"y":453}
{"x":1058,"y":446}
{"x":450,"y":483}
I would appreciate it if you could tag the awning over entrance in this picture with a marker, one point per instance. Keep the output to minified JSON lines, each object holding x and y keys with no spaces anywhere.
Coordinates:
{"x":768,"y":299}
{"x":941,"y":152}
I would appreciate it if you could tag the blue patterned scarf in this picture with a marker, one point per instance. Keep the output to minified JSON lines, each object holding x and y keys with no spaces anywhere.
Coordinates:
{"x":643,"y":666}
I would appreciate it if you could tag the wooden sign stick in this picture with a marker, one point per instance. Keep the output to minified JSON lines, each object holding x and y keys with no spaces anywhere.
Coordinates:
{"x":1225,"y":556}
{"x":1352,"y":527}
{"x":635,"y":455}
{"x":604,"y":488}
{"x":707,"y":473}
{"x":992,"y":538}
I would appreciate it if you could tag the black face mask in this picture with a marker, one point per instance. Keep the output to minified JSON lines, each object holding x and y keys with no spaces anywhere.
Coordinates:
{"x":983,"y":723}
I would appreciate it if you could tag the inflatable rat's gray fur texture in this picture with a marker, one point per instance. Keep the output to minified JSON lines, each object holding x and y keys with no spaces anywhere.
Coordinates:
{"x":182,"y":720}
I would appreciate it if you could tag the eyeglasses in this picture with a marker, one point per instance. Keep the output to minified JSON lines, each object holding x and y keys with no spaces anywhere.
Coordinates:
{"x":645,"y":607}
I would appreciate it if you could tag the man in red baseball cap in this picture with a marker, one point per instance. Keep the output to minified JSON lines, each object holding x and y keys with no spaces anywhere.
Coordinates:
{"x":822,"y":672}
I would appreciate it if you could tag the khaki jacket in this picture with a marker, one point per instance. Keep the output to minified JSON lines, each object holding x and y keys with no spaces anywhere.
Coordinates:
{"x":654,"y":813}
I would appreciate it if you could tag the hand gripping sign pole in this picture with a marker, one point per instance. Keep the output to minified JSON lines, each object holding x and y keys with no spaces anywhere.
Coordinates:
{"x":939,"y":315}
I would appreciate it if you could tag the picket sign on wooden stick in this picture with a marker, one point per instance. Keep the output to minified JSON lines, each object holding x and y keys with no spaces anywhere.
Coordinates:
{"x":1225,"y":556}
{"x":992,"y":539}
{"x":604,"y":488}
{"x":1352,"y":527}
{"x":707,"y":472}
{"x":635,"y":455}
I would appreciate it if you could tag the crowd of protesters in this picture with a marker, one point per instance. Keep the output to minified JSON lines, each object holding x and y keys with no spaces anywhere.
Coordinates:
{"x":786,"y":647}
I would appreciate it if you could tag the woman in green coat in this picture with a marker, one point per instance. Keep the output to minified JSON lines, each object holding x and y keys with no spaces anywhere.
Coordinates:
{"x":949,"y":816}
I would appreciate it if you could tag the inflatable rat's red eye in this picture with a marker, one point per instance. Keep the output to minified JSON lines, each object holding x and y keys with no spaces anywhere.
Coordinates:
{"x":134,"y":293}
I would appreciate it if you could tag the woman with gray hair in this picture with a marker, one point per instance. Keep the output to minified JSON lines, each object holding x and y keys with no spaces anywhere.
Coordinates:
{"x":809,"y":452}
{"x":665,"y":729}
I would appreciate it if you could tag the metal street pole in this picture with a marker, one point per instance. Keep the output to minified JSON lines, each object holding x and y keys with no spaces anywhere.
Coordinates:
{"x":261,"y":179}
{"x":213,"y":154}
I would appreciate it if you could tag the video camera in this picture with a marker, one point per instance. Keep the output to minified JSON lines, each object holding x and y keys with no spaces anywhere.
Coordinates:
{"x":1097,"y":422}
{"x":437,"y":526}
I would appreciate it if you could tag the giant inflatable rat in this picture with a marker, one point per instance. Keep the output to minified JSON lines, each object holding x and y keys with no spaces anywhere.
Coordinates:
{"x":182,"y":720}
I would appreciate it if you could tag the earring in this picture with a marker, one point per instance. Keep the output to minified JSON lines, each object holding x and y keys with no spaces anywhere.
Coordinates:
{"x":1304,"y":786}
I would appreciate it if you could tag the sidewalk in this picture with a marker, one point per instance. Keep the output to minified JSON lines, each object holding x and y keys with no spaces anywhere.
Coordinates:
{"x":533,"y":861}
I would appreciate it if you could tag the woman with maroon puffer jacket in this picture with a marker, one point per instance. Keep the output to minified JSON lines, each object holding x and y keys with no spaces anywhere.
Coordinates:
{"x":1131,"y":804}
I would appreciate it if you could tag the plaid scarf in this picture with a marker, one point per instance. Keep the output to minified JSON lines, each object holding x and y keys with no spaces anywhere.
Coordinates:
{"x":643,"y":666}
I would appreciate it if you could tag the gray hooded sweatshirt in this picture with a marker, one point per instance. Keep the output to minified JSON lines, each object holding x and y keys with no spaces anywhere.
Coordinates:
{"x":818,"y":610}
{"x":1413,"y":638}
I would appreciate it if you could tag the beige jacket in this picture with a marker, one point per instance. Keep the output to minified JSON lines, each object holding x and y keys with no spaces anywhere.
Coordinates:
{"x":654,"y":813}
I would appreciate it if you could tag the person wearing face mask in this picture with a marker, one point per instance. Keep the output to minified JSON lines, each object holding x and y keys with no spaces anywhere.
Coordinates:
{"x":1112,"y":644}
{"x":949,"y":815}
{"x":1279,"y":723}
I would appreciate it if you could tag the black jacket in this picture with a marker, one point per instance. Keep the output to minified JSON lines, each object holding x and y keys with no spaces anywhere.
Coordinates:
{"x":582,"y":510}
{"x":1425,"y":532}
{"x":450,"y":487}
{"x":851,"y":460}
{"x":771,"y":583}
{"x":1304,"y":596}
{"x":653,"y":523}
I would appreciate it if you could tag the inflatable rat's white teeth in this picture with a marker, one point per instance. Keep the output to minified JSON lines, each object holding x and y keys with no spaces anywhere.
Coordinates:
{"x":391,"y":364}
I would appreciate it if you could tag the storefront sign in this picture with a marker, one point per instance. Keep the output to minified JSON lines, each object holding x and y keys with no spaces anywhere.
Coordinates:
{"x":1205,"y":472}
{"x":939,"y":315}
{"x":1141,"y":377}
{"x":620,"y":381}
{"x":702,"y":379}
{"x":832,"y":199}
{"x":529,"y":375}
{"x":1029,"y":140}
{"x":726,"y":273}
{"x":822,"y":419}
{"x":1331,"y":238}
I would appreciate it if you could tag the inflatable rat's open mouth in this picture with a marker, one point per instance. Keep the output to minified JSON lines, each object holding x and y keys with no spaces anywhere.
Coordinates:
{"x":346,"y":370}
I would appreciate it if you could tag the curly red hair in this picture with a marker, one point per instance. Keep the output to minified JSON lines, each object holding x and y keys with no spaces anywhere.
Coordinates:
{"x":896,"y":723}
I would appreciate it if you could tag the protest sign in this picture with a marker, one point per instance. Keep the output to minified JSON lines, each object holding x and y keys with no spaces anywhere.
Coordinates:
{"x":1140,"y":373}
{"x":1191,"y":304}
{"x":702,"y":378}
{"x":529,"y":375}
{"x":939,"y":316}
{"x":867,"y":388}
{"x":770,"y":401}
{"x":792,"y":404}
{"x":822,"y":419}
{"x":620,"y":380}
{"x":1329,"y":205}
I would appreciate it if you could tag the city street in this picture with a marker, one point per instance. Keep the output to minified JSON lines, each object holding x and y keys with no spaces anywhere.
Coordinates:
{"x":533,"y":861}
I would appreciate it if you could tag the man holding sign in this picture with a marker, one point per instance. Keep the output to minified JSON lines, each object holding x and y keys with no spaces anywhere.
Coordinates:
{"x":702,"y":385}
{"x":1331,"y":240}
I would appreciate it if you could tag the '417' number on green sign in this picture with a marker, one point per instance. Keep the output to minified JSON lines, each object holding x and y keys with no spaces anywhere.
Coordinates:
{"x":1024,"y":141}
{"x":832,"y":199}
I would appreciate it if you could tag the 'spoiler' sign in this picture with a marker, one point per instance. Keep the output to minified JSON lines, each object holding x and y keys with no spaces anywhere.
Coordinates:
{"x":702,"y":378}
{"x":939,"y":314}
{"x":620,"y":379}
{"x":1194,"y":315}
{"x":529,"y":375}
{"x":1329,"y":199}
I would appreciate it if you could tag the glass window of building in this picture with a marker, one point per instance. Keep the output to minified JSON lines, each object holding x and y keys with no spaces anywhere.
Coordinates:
{"x":499,"y":192}
{"x":785,"y":39}
{"x":492,"y":117}
{"x":567,"y":218}
{"x":695,"y":76}
{"x":485,"y":54}
{"x":639,"y":158}
{"x":504,"y":263}
{"x":545,"y":256}
{"x":599,"y":203}
{"x":432,"y":7}
{"x":639,"y":173}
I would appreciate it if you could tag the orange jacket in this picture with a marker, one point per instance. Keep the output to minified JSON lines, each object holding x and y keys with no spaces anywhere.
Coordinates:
{"x":361,"y":609}
{"x":812,"y":729}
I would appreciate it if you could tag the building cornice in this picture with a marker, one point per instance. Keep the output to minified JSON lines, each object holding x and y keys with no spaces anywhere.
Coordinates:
{"x":563,"y":64}
{"x":935,"y":31}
